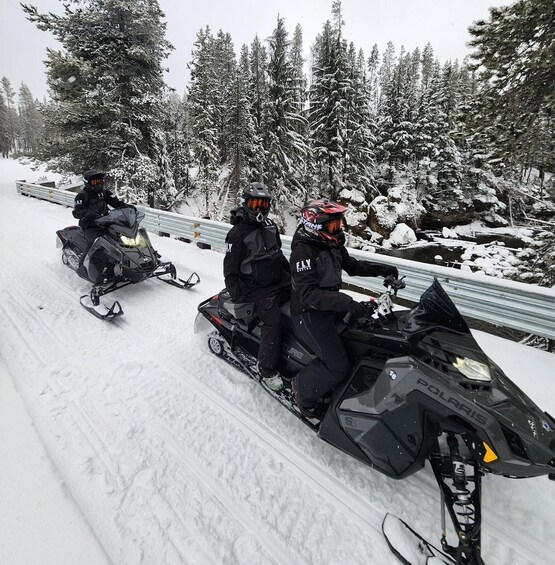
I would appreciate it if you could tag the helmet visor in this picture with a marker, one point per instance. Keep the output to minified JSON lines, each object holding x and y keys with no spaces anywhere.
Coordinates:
{"x":96,"y":182}
{"x":334,"y":226}
{"x":258,"y":204}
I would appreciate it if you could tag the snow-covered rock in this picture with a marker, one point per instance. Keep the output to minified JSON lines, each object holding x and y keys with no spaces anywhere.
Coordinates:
{"x":401,"y":235}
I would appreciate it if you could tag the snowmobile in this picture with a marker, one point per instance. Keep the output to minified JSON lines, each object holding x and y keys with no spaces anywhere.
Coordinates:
{"x":121,"y":256}
{"x":420,"y":389}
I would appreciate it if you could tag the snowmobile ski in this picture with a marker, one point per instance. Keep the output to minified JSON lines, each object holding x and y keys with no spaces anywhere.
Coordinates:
{"x":99,"y":310}
{"x":409,"y":546}
{"x":170,"y":277}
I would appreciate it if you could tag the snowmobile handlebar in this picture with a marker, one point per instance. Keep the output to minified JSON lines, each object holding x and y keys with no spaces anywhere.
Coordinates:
{"x":393,"y":285}
{"x":379,"y":307}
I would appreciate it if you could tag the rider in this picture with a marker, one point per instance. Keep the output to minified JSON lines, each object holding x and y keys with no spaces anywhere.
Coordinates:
{"x":92,"y":203}
{"x":318,"y":255}
{"x":255,"y":270}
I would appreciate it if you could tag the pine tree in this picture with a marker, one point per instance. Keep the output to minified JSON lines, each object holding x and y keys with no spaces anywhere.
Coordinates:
{"x":258,"y":87}
{"x":244,"y":144}
{"x":286,"y":148}
{"x":12,"y":125}
{"x":5,"y":144}
{"x":107,"y":84}
{"x":330,"y":96}
{"x":224,"y":68}
{"x":30,"y":121}
{"x":514,"y":55}
{"x":204,"y":117}
{"x":178,"y":142}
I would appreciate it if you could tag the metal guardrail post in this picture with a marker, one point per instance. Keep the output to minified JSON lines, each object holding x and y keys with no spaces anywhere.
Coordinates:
{"x":520,"y":306}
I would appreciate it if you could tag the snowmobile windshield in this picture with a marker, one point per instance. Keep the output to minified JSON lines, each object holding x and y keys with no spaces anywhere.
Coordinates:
{"x":124,"y":217}
{"x":435,"y":309}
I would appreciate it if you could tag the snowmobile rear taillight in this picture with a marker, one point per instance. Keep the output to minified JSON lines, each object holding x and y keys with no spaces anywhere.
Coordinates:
{"x":217,"y":320}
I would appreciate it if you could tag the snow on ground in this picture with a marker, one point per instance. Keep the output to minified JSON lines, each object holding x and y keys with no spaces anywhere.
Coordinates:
{"x":128,"y":442}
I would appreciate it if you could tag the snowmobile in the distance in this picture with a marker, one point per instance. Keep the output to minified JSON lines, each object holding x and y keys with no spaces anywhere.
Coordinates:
{"x":121,"y":256}
{"x":420,"y":389}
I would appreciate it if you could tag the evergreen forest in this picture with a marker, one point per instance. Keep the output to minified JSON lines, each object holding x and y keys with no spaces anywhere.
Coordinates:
{"x":399,"y":137}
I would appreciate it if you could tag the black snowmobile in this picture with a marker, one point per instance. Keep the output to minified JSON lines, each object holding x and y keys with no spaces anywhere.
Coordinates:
{"x":122,"y":255}
{"x":420,"y":389}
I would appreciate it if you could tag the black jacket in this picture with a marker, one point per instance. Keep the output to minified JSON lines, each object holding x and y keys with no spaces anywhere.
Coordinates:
{"x":316,"y":272}
{"x":90,"y":205}
{"x":253,"y":258}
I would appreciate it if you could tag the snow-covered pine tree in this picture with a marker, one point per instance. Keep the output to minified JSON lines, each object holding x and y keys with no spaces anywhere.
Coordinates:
{"x":225,"y":64}
{"x":359,"y":146}
{"x":204,"y":117}
{"x":514,"y":55}
{"x":245,"y":146}
{"x":329,"y":95}
{"x":5,"y":144}
{"x":107,"y":83}
{"x":30,"y":120}
{"x":258,"y":88}
{"x":178,"y":142}
{"x":372,"y":80}
{"x":12,"y":124}
{"x":286,"y":149}
{"x":301,"y":97}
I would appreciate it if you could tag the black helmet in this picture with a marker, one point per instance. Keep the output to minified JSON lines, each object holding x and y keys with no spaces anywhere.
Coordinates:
{"x":255,"y":202}
{"x":323,"y":220}
{"x":94,"y":180}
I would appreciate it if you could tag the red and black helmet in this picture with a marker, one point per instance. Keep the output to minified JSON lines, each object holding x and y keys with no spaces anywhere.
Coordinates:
{"x":323,"y":219}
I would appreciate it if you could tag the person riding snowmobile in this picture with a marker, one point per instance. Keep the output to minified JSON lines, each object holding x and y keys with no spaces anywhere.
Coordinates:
{"x":255,"y":270}
{"x":318,"y":255}
{"x":92,"y":202}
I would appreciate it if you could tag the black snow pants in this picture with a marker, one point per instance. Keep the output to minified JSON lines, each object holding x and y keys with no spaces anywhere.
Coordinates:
{"x":267,"y":302}
{"x":317,"y":331}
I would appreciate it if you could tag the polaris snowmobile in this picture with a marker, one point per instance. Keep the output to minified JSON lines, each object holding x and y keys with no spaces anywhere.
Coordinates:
{"x":121,"y":256}
{"x":420,"y":389}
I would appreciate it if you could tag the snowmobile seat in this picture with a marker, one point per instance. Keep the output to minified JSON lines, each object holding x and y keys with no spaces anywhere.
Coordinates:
{"x":73,"y":235}
{"x":241,"y":311}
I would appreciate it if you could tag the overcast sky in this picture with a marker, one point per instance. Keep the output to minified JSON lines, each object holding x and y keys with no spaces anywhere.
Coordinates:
{"x":412,"y":23}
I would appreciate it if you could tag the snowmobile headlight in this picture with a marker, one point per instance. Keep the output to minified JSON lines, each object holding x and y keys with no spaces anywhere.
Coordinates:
{"x":473,"y":369}
{"x":132,"y":241}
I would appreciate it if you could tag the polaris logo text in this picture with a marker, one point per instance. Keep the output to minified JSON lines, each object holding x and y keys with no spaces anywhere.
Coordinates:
{"x":453,"y":401}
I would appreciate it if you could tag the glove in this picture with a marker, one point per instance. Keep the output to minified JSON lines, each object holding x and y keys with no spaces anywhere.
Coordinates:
{"x":389,"y":271}
{"x":360,"y":311}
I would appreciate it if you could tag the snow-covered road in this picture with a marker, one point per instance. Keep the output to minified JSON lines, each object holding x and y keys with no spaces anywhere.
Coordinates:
{"x":168,"y":455}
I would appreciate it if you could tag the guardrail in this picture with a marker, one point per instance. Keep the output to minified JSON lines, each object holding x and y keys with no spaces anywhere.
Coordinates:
{"x":519,"y":306}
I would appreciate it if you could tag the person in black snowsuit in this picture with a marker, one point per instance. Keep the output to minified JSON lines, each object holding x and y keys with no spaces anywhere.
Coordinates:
{"x":91,"y":203}
{"x":255,"y":270}
{"x":318,"y":256}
